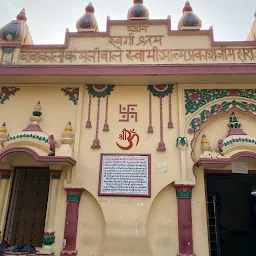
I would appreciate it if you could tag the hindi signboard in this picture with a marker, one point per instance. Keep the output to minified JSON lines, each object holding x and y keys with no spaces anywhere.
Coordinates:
{"x":125,"y":175}
{"x":240,"y":167}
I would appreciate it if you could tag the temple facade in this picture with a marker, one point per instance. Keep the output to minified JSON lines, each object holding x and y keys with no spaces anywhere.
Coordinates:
{"x":139,"y":140}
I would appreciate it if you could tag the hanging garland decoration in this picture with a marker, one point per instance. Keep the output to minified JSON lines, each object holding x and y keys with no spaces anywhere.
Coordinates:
{"x":160,"y":91}
{"x":150,"y":127}
{"x":98,"y":91}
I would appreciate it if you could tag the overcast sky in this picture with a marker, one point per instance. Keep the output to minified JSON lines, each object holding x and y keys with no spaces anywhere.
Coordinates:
{"x":48,"y":19}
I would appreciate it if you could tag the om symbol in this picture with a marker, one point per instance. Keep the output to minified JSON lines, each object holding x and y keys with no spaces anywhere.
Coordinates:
{"x":128,"y":136}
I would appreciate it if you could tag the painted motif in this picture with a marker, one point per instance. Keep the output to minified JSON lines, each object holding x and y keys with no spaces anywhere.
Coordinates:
{"x":6,"y":92}
{"x":215,"y":109}
{"x":127,"y":112}
{"x":182,"y":143}
{"x":128,"y":136}
{"x":10,"y":31}
{"x":195,"y":98}
{"x":100,"y":90}
{"x":161,"y":90}
{"x":49,"y":238}
{"x":72,"y":93}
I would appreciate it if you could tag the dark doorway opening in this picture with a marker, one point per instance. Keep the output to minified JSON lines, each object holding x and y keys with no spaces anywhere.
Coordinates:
{"x":27,"y":207}
{"x":231,"y":214}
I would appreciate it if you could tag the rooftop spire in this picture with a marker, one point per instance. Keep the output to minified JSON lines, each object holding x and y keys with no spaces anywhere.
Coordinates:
{"x":252,"y":33}
{"x":35,"y":119}
{"x":235,"y":126}
{"x":17,"y":30}
{"x":22,"y":15}
{"x":138,"y":11}
{"x":88,"y":21}
{"x":189,"y":21}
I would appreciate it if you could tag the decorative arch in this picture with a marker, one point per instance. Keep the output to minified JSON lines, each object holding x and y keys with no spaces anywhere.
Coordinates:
{"x":194,"y":122}
{"x":37,"y":157}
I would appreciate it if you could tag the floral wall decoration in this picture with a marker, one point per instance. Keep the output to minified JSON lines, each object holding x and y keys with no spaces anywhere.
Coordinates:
{"x":205,"y":114}
{"x":160,"y":91}
{"x":6,"y":92}
{"x":99,"y":91}
{"x":196,"y":98}
{"x":72,"y":93}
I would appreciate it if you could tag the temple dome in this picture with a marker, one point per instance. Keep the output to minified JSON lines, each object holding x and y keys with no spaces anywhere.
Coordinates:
{"x":32,"y":136}
{"x":189,"y":21}
{"x":138,"y":11}
{"x":88,"y":21}
{"x":17,"y":30}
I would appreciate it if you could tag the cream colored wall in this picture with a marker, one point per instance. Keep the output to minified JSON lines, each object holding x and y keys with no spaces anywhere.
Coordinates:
{"x":123,"y":225}
{"x":57,"y":111}
{"x":127,"y":219}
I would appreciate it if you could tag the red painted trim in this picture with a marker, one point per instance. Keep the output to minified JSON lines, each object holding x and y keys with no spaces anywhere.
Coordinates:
{"x":54,"y":159}
{"x":225,"y":161}
{"x":55,"y":172}
{"x":74,"y":191}
{"x":71,"y":221}
{"x":123,"y":69}
{"x":125,"y":195}
{"x":5,"y":171}
{"x":185,"y":223}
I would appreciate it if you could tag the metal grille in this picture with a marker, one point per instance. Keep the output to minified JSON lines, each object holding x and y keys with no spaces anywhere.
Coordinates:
{"x":27,"y":207}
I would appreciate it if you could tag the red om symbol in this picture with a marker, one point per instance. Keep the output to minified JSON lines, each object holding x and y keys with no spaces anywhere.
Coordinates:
{"x":128,"y":136}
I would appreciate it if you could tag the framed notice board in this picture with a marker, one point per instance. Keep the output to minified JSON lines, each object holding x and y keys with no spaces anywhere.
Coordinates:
{"x":125,"y":175}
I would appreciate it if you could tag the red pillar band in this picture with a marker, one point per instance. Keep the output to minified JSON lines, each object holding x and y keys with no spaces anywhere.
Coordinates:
{"x":70,"y":232}
{"x":184,"y":195}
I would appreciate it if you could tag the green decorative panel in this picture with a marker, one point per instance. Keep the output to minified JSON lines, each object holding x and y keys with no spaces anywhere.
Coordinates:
{"x":56,"y":176}
{"x":48,"y":239}
{"x":184,"y":194}
{"x":73,"y":198}
{"x":195,"y":98}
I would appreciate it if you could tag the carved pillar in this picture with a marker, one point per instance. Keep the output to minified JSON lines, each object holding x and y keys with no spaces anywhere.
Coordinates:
{"x":70,"y":232}
{"x":49,"y":234}
{"x":184,"y":195}
{"x":5,"y":176}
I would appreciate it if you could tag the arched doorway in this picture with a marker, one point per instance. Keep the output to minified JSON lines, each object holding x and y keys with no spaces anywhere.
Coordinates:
{"x":27,"y":206}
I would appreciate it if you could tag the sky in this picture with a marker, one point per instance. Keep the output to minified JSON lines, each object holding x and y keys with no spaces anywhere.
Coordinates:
{"x":48,"y":19}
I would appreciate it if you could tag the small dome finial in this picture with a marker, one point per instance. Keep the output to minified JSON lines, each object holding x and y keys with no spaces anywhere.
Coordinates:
{"x":89,"y":8}
{"x":187,"y":7}
{"x":205,"y":146}
{"x":22,"y":15}
{"x":3,"y":128}
{"x":69,"y":127}
{"x":189,"y":21}
{"x":87,"y":22}
{"x":138,"y":11}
